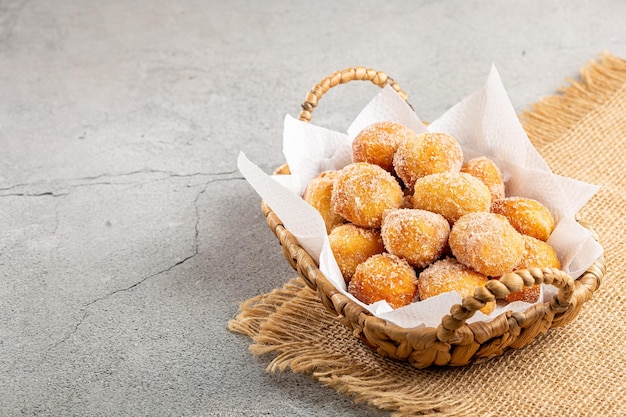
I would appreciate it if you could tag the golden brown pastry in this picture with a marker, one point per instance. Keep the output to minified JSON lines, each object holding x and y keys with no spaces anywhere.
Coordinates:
{"x":363,"y":191}
{"x":451,"y":194}
{"x":487,"y":243}
{"x":448,"y":275}
{"x":378,"y":142}
{"x":384,"y":277}
{"x":539,"y":254}
{"x":488,"y":172}
{"x":419,"y":236}
{"x":318,"y":193}
{"x":352,"y":245}
{"x":425,"y":154}
{"x":527,"y":216}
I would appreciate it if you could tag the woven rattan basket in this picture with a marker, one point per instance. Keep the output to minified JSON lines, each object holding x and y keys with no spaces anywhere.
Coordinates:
{"x":453,"y":342}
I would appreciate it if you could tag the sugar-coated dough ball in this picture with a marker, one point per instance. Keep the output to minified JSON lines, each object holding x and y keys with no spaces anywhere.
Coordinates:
{"x":363,"y":191}
{"x":425,"y":154}
{"x":378,"y":142}
{"x":539,"y":254}
{"x":451,"y":194}
{"x":318,"y":193}
{"x":352,"y":245}
{"x":528,"y":216}
{"x":487,"y":243}
{"x":384,"y":277}
{"x":419,"y":236}
{"x":448,"y":275}
{"x":488,"y":172}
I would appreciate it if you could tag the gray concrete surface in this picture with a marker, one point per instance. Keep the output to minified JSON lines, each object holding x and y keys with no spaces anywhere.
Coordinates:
{"x":127,"y":236}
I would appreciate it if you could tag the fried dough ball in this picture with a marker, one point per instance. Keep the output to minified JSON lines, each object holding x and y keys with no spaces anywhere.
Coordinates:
{"x":317,"y":194}
{"x":451,"y":194}
{"x":384,"y":277}
{"x":352,"y":245}
{"x":488,"y":172}
{"x":537,"y":253}
{"x":487,"y":243}
{"x":425,"y":154}
{"x":448,"y":275}
{"x":378,"y":142}
{"x":363,"y":191}
{"x":419,"y":236}
{"x":528,"y":216}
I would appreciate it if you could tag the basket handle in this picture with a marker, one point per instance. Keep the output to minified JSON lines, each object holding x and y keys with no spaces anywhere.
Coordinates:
{"x":379,"y":78}
{"x":448,"y":331}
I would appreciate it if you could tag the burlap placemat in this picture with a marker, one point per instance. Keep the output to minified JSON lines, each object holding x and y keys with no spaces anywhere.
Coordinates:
{"x":576,"y":370}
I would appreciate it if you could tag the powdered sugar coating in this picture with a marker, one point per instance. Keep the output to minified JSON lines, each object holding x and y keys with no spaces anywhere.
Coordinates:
{"x":363,"y":191}
{"x":448,"y":275}
{"x":526,"y":215}
{"x":352,"y":245}
{"x":538,"y":253}
{"x":378,"y":142}
{"x":419,"y":236}
{"x":318,"y":193}
{"x":487,"y":243}
{"x":488,"y":172}
{"x":425,"y":154}
{"x":384,"y":277}
{"x":451,"y":194}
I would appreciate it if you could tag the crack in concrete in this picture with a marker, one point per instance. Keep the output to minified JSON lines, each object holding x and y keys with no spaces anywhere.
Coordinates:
{"x":141,"y":281}
{"x":55,"y":191}
{"x":196,"y":251}
{"x":43,"y":194}
{"x":73,"y":331}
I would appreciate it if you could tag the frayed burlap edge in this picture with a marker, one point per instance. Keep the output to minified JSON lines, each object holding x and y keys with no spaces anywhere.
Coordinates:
{"x":549,"y":118}
{"x":270,"y":319}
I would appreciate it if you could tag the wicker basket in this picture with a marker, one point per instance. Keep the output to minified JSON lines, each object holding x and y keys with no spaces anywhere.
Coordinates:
{"x":454,"y":342}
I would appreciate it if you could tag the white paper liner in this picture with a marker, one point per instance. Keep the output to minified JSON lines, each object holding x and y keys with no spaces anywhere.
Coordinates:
{"x":484,"y":123}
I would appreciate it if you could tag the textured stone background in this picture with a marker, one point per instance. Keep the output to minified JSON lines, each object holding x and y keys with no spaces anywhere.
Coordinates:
{"x":127,"y":236}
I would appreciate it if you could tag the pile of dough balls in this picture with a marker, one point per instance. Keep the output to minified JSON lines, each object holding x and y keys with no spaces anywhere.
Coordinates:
{"x":410,"y":219}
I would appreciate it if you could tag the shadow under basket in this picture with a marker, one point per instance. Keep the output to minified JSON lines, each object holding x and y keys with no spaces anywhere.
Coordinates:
{"x":454,"y":342}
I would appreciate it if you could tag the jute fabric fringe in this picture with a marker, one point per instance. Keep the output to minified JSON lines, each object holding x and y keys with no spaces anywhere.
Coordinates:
{"x":575,"y":370}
